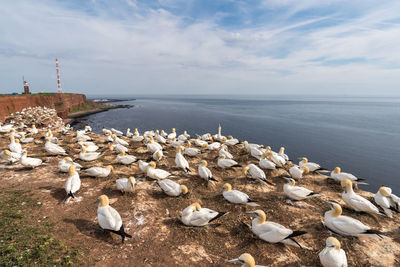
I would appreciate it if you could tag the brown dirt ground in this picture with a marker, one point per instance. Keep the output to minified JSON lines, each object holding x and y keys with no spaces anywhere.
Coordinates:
{"x":159,"y":239}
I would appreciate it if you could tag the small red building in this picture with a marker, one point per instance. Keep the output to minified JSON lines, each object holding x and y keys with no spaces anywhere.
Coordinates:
{"x":26,"y":88}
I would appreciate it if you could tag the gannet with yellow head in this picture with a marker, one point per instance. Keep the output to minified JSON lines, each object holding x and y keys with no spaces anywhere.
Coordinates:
{"x":65,"y":163}
{"x":154,"y":173}
{"x":273,"y":232}
{"x":172,"y":135}
{"x":180,"y":160}
{"x":14,"y":145}
{"x":297,"y":172}
{"x":310,"y":165}
{"x":338,"y":175}
{"x":191,"y":151}
{"x":73,"y":183}
{"x":99,"y":171}
{"x":236,"y":196}
{"x":126,"y":184}
{"x":9,"y":156}
{"x":246,"y":260}
{"x":296,"y":192}
{"x":225,"y":163}
{"x":88,"y":156}
{"x":224,"y":151}
{"x":109,"y":219}
{"x":255,"y":173}
{"x":387,"y":201}
{"x":195,"y":215}
{"x":158,"y":155}
{"x":52,"y":148}
{"x":171,"y":188}
{"x":205,"y":172}
{"x":265,"y":163}
{"x":332,"y":255}
{"x":125,"y":159}
{"x":344,"y":225}
{"x":355,"y":201}
{"x":28,"y":161}
{"x":26,"y":140}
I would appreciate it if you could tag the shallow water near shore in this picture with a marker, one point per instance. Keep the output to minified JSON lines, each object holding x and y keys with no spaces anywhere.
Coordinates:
{"x":361,"y":135}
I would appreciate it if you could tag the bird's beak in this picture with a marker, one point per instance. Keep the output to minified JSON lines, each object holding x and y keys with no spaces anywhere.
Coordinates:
{"x":287,"y":179}
{"x":300,"y":158}
{"x":329,"y":203}
{"x":97,"y":201}
{"x":234,"y":260}
{"x":252,"y":213}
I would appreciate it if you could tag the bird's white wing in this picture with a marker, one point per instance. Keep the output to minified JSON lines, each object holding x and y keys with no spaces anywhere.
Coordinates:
{"x":349,"y":225}
{"x":300,"y":191}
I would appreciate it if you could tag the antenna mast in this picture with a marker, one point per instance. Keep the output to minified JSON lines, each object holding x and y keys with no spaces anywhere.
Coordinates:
{"x":58,"y":77}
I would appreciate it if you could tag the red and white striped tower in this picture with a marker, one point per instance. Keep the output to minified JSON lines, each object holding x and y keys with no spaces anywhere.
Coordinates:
{"x":58,"y":77}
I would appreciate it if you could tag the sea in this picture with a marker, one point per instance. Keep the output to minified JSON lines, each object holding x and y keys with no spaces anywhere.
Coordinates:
{"x":359,"y":134}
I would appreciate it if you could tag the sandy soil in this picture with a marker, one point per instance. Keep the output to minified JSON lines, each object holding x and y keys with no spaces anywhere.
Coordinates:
{"x":159,"y":239}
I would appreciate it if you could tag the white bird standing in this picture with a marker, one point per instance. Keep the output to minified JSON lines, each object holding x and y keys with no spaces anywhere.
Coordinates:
{"x":109,"y":219}
{"x":273,"y":232}
{"x":128,"y":133}
{"x":99,"y":171}
{"x":355,"y":201}
{"x":246,"y":260}
{"x":154,"y":173}
{"x":346,"y":226}
{"x":296,"y":192}
{"x":224,"y":151}
{"x":158,"y":155}
{"x":126,"y":184}
{"x":29,"y":162}
{"x":65,"y":163}
{"x":125,"y":159}
{"x":236,"y":196}
{"x":9,"y":156}
{"x":205,"y":172}
{"x":332,"y":255}
{"x":14,"y":145}
{"x":256,"y":173}
{"x":200,"y":142}
{"x":171,"y":188}
{"x":282,"y":154}
{"x":172,"y":135}
{"x":297,"y":172}
{"x":73,"y":183}
{"x":338,"y":175}
{"x":180,"y":160}
{"x":387,"y":201}
{"x":195,"y":215}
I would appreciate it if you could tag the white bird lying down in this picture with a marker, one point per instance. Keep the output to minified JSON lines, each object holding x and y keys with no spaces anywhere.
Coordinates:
{"x":52,"y":148}
{"x":310,"y":165}
{"x":236,"y":197}
{"x":109,"y":219}
{"x":126,"y":184}
{"x":171,"y":188}
{"x":231,"y":141}
{"x":65,"y":163}
{"x":143,"y":165}
{"x":158,"y":155}
{"x":256,"y":173}
{"x":191,"y":151}
{"x":273,"y":232}
{"x":297,"y":172}
{"x":195,"y":215}
{"x":73,"y":183}
{"x":26,"y":140}
{"x":154,"y":173}
{"x":200,"y":142}
{"x":355,"y":201}
{"x":117,"y":132}
{"x":10,"y":157}
{"x":338,"y":176}
{"x":225,"y":163}
{"x":88,"y":156}
{"x":246,"y":260}
{"x":296,"y":192}
{"x":332,"y":255}
{"x":266,"y":163}
{"x":387,"y":201}
{"x":90,"y":147}
{"x":99,"y":171}
{"x":205,"y":172}
{"x":347,"y":226}
{"x":29,"y":162}
{"x":125,"y":159}
{"x":14,"y":145}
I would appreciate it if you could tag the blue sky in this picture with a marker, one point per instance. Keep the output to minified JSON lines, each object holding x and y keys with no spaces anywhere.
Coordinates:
{"x":202,"y":47}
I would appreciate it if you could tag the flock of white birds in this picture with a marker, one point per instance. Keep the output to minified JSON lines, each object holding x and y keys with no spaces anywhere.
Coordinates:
{"x":194,"y":215}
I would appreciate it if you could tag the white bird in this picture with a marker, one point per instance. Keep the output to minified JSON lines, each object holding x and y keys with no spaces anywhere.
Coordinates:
{"x":297,"y":172}
{"x":117,"y":132}
{"x":164,"y":134}
{"x":275,"y":158}
{"x":344,"y":225}
{"x":177,"y":143}
{"x":143,"y":166}
{"x":52,"y":148}
{"x":200,"y":142}
{"x":231,"y":141}
{"x":355,"y":201}
{"x":310,"y":165}
{"x":160,"y":138}
{"x":90,"y":147}
{"x":158,"y":155}
{"x":99,"y":171}
{"x":153,"y":146}
{"x":81,"y":135}
{"x":247,"y":145}
{"x":65,"y":163}
{"x":282,"y":154}
{"x":256,"y":173}
{"x":126,"y":184}
{"x":109,"y":219}
{"x":137,"y":137}
{"x":128,"y":133}
{"x":9,"y":156}
{"x":273,"y":232}
{"x":73,"y":183}
{"x":332,"y":255}
{"x":225,"y":163}
{"x":224,"y":151}
{"x":214,"y":146}
{"x":180,"y":160}
{"x":236,"y":196}
{"x":33,"y":130}
{"x":266,"y":163}
{"x":338,"y":175}
{"x":387,"y":201}
{"x":14,"y":145}
{"x":125,"y":159}
{"x":191,"y":151}
{"x":88,"y":156}
{"x":29,"y":162}
{"x":119,"y":141}
{"x":154,"y":173}
{"x":171,"y":188}
{"x":118,"y":147}
{"x":255,"y":152}
{"x":206,"y":137}
{"x":26,"y":140}
{"x":195,"y":215}
{"x":296,"y":192}
{"x":205,"y":172}
{"x":172,"y":135}
{"x":6,"y":128}
{"x":246,"y":260}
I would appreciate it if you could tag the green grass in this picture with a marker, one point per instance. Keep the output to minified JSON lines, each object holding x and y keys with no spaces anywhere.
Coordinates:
{"x":89,"y":105}
{"x":24,"y":241}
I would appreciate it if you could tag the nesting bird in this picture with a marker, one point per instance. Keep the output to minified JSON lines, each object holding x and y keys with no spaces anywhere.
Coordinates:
{"x":387,"y":201}
{"x":355,"y":201}
{"x":99,"y":171}
{"x":125,"y":159}
{"x":126,"y":184}
{"x":154,"y":173}
{"x":338,"y":175}
{"x":256,"y":173}
{"x":28,"y":161}
{"x":205,"y":172}
{"x":246,"y":260}
{"x":332,"y":255}
{"x":236,"y":196}
{"x":195,"y":215}
{"x":296,"y":192}
{"x":65,"y":163}
{"x":171,"y":188}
